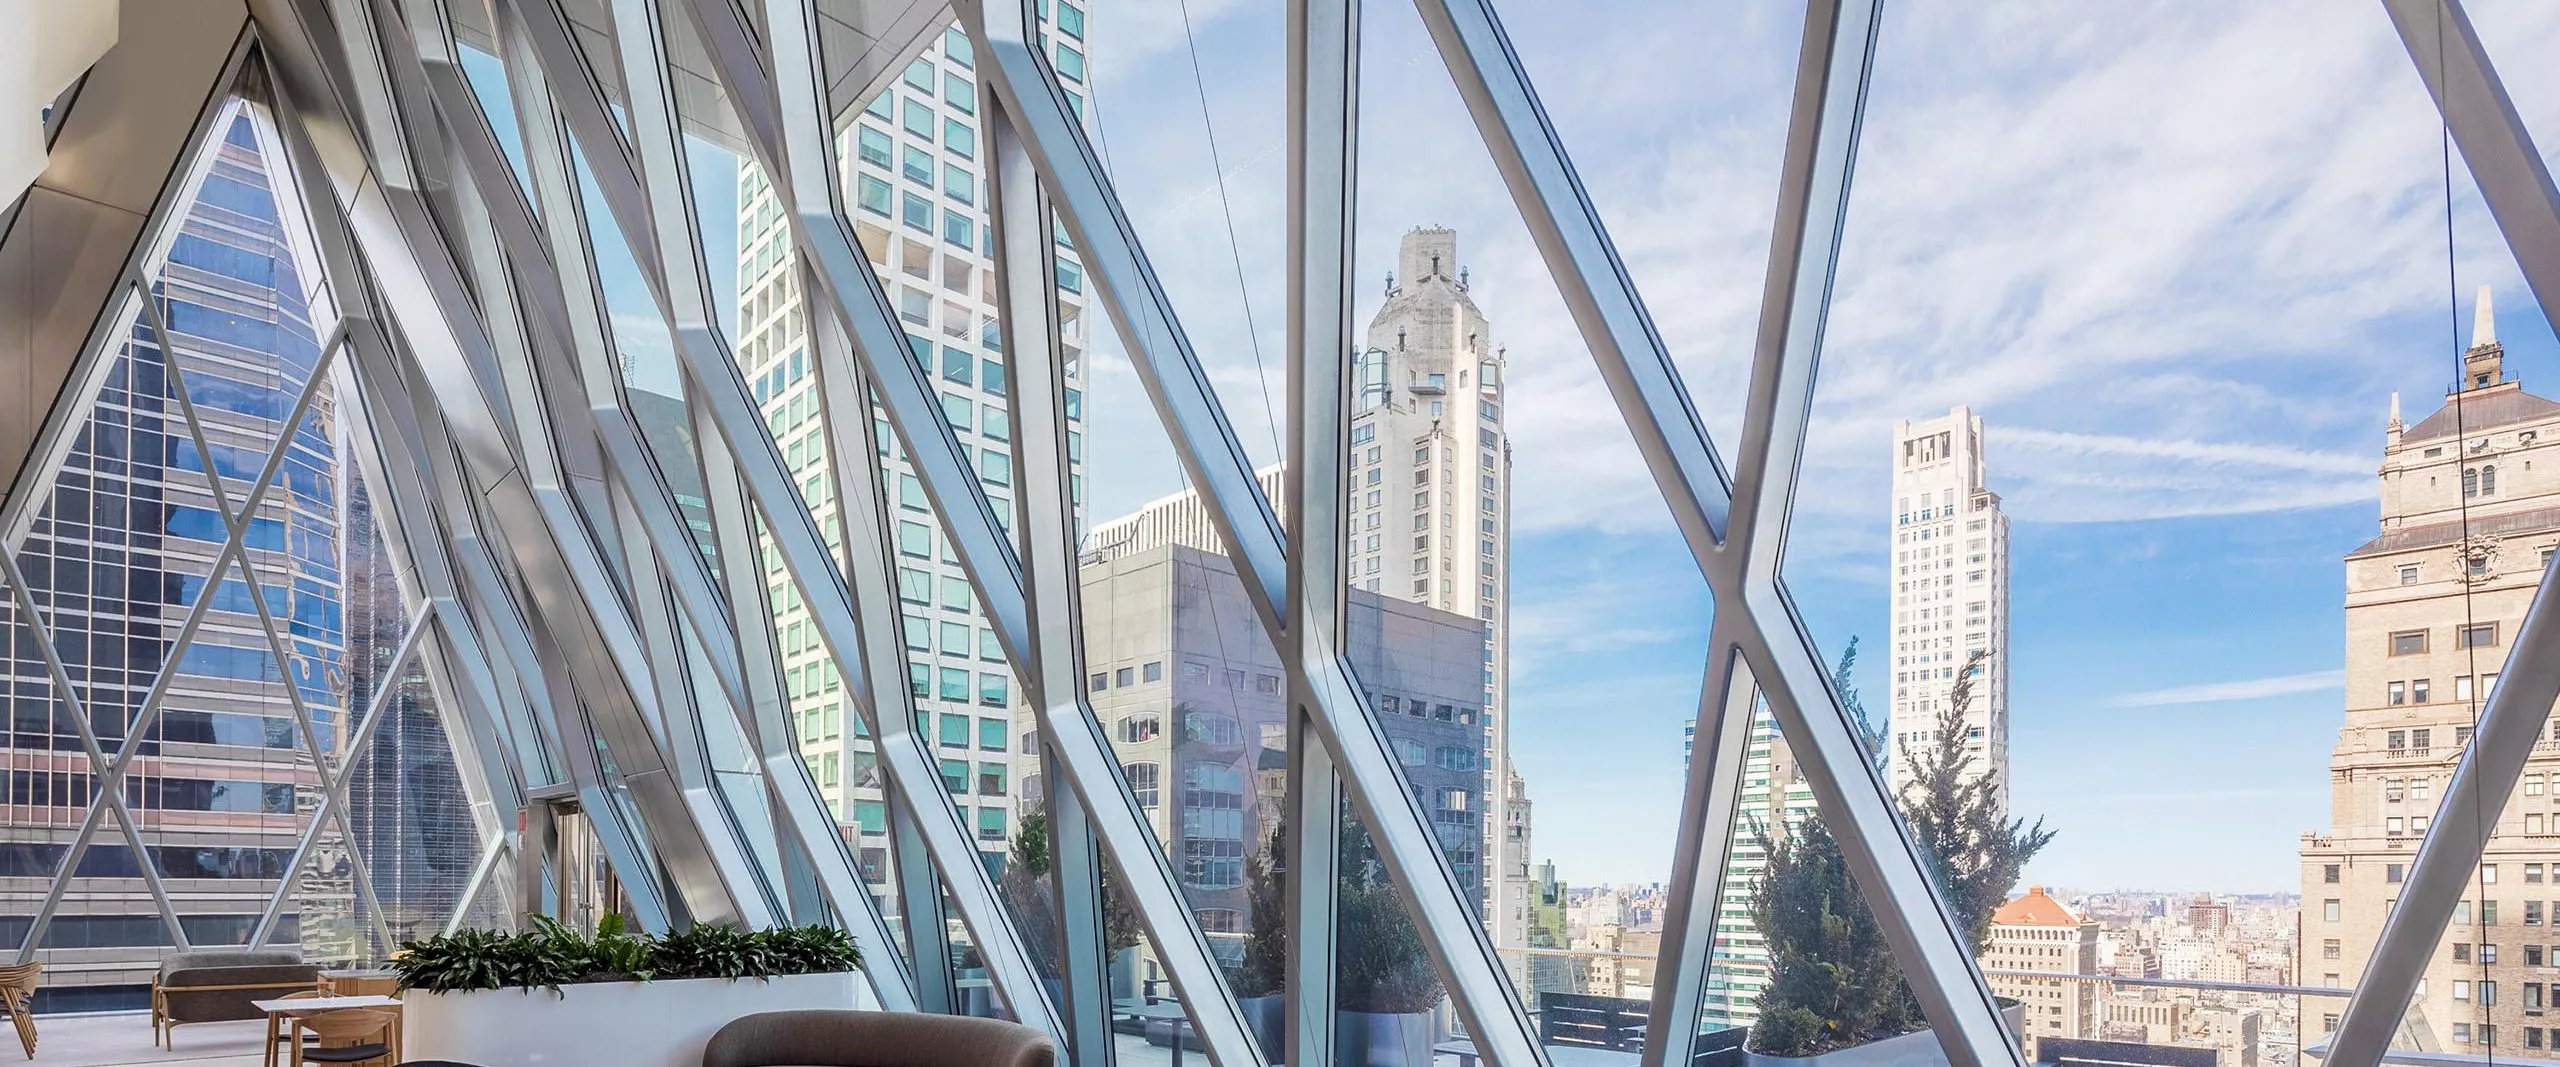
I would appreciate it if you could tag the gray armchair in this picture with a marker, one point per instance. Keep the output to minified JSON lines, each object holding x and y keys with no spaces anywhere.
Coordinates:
{"x":875,"y":1039}
{"x":219,"y":985}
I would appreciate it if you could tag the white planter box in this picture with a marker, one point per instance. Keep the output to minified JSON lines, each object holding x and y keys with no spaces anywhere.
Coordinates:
{"x":640,"y":1024}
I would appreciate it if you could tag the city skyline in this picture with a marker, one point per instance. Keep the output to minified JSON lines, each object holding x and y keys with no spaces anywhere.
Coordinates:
{"x":2187,"y":394}
{"x":1609,"y":618}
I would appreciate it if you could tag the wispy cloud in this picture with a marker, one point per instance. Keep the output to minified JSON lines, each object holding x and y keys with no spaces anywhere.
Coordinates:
{"x":2222,"y":692}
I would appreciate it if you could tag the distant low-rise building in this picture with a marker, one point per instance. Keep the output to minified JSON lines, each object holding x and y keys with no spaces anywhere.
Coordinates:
{"x":2037,"y":933}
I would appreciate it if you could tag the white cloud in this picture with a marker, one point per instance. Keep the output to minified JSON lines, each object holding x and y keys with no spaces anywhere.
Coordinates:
{"x":2244,"y":689}
{"x":2154,"y":245}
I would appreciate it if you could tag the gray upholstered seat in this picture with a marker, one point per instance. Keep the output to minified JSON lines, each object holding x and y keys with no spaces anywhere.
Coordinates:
{"x":218,"y":985}
{"x":875,"y":1039}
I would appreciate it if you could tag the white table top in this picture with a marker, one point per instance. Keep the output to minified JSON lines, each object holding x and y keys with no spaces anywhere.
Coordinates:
{"x":298,"y":1005}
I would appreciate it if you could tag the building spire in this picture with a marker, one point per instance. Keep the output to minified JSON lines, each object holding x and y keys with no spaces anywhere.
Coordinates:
{"x":2395,"y":409}
{"x":2484,"y":324}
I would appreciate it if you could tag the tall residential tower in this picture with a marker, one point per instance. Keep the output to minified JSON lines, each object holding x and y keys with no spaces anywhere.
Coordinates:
{"x":1429,"y":494}
{"x":1950,"y":593}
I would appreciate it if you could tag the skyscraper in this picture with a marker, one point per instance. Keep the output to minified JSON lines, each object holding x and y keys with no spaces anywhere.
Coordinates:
{"x":2468,"y":527}
{"x":1775,"y":799}
{"x":126,"y":549}
{"x":1950,"y":593}
{"x":1429,"y":516}
{"x":915,"y":173}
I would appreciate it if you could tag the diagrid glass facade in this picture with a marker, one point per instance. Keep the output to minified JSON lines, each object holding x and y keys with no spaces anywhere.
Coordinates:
{"x":747,"y":465}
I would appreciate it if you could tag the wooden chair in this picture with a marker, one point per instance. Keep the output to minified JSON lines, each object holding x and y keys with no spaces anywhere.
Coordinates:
{"x":279,"y":1028}
{"x":347,"y":1035}
{"x":17,"y":1001}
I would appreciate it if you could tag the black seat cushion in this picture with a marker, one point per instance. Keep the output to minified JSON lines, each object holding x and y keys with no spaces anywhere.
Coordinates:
{"x":346,"y":1054}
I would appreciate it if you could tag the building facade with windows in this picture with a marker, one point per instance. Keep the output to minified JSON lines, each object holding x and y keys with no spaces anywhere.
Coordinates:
{"x":915,"y":164}
{"x":2470,"y":516}
{"x":1950,"y":594}
{"x":176,"y":434}
{"x":1190,"y":691}
{"x":2035,"y":932}
{"x":1775,"y":798}
{"x":1428,"y":489}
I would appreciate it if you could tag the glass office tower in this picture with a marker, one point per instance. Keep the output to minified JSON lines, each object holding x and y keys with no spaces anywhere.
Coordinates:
{"x":165,"y":640}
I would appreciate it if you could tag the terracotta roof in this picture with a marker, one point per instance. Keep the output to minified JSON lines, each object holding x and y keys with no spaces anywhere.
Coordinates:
{"x":2439,"y":534}
{"x":2034,"y":909}
{"x":2496,"y":406}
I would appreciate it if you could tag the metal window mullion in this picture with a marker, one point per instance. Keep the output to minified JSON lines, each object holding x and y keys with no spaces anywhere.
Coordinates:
{"x":76,"y":710}
{"x":879,"y":691}
{"x":657,"y":169}
{"x":1068,"y":724}
{"x":459,"y":555}
{"x":563,"y":571}
{"x":332,"y":783}
{"x":473,"y":730}
{"x":333,"y":789}
{"x":1083,"y":946}
{"x":1017,"y":77}
{"x":801,"y":168}
{"x":1583,"y":262}
{"x":148,"y":714}
{"x":2515,"y":183}
{"x":1451,"y":931}
{"x":1043,"y":488}
{"x":1711,"y":798}
{"x":1323,"y":157}
{"x":492,"y":852}
{"x":767,"y":718}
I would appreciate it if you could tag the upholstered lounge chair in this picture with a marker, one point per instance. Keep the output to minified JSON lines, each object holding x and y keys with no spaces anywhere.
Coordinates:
{"x":875,"y":1039}
{"x":219,"y":986}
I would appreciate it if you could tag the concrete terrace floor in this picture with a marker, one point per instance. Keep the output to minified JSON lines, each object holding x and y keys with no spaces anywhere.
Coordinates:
{"x":125,"y":1038}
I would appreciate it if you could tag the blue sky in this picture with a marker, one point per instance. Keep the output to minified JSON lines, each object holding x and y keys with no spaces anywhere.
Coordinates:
{"x":2179,"y":258}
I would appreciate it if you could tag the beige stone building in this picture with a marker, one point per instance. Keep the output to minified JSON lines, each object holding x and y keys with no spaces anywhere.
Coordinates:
{"x":2037,"y":933}
{"x":2470,"y":513}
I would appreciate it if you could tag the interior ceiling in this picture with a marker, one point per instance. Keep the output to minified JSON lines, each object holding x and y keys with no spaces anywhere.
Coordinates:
{"x":866,"y":44}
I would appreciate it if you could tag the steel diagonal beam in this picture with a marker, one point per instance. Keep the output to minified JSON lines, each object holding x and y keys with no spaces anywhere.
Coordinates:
{"x":715,"y":383}
{"x":806,"y":179}
{"x":854,"y":461}
{"x":1025,"y":268}
{"x":1018,"y":78}
{"x":78,"y":712}
{"x":1324,"y":127}
{"x":1822,"y":138}
{"x":148,"y":714}
{"x":723,"y":408}
{"x":2500,"y":153}
{"x":566,"y":574}
{"x":1212,"y":457}
{"x":333,"y":796}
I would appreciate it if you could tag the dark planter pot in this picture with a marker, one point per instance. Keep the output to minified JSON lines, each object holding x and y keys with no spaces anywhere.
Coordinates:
{"x":1268,"y":1015}
{"x":1919,"y":1049}
{"x":1370,"y":1039}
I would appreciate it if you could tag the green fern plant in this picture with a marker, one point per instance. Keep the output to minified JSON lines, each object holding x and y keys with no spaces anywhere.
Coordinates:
{"x":552,"y":955}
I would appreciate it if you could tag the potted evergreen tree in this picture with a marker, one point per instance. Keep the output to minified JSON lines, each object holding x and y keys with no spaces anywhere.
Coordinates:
{"x":1834,"y":985}
{"x":1384,"y":984}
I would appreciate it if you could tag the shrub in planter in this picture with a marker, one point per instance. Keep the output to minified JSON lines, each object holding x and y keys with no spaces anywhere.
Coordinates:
{"x":552,"y":955}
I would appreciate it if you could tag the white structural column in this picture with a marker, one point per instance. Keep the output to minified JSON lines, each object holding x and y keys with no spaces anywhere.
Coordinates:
{"x":1017,"y":75}
{"x":2513,"y":179}
{"x":1026,"y":266}
{"x":1324,"y":138}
